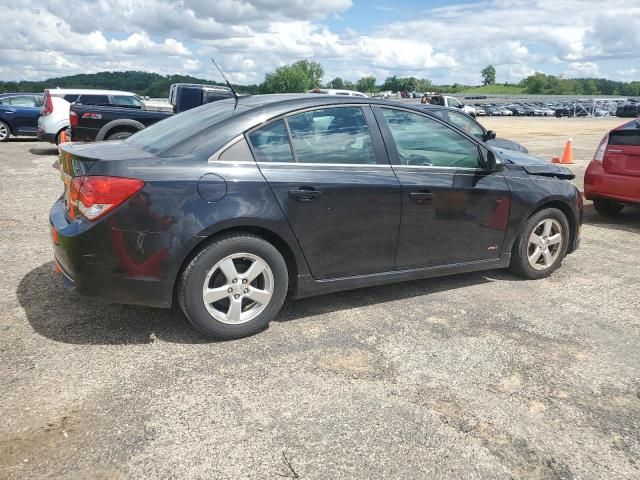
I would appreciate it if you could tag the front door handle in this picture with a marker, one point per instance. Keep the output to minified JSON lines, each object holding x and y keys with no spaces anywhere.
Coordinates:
{"x":304,"y":194}
{"x":421,"y":197}
{"x":614,"y":150}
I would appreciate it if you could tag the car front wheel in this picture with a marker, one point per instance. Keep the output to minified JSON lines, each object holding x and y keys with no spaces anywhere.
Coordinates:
{"x":541,"y":244}
{"x":234,"y":286}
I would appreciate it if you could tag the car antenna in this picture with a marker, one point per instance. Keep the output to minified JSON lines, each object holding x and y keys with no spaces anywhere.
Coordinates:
{"x":235,"y":95}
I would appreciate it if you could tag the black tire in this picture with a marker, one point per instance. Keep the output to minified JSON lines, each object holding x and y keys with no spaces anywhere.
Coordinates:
{"x":608,"y":208}
{"x":520,"y":264}
{"x":5,"y":132}
{"x":191,"y":283}
{"x":119,"y":135}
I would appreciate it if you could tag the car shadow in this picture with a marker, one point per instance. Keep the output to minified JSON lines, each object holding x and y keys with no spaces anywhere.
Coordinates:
{"x":628,"y":220}
{"x":52,"y":150}
{"x":62,"y":316}
{"x":23,"y":139}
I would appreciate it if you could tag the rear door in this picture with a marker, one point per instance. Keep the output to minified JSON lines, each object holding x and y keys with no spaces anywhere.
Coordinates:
{"x":330,"y":174}
{"x":453,"y":210}
{"x":622,"y":155}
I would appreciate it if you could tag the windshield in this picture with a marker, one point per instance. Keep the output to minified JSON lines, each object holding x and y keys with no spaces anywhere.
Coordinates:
{"x":170,"y":132}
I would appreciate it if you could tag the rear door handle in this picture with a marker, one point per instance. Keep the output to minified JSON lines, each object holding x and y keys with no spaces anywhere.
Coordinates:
{"x":614,"y":150}
{"x":304,"y":194}
{"x":421,"y":197}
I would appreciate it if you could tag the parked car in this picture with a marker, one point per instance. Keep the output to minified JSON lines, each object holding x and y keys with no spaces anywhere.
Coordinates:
{"x":19,"y":114}
{"x":446,"y":101}
{"x":612,"y":179}
{"x":470,"y":126}
{"x":54,"y":117}
{"x":103,"y":122}
{"x":231,"y":207}
{"x":629,"y":110}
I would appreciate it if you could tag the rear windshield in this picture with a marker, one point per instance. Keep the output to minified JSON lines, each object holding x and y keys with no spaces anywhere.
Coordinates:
{"x":170,"y":132}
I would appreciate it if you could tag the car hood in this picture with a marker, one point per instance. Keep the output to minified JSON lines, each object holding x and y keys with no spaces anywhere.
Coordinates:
{"x":534,"y":165}
{"x":507,"y":144}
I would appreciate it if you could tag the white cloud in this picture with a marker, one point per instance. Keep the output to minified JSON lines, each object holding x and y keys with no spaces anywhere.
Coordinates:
{"x":251,"y":37}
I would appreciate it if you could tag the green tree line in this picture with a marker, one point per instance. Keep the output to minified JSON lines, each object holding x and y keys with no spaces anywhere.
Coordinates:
{"x":305,"y":75}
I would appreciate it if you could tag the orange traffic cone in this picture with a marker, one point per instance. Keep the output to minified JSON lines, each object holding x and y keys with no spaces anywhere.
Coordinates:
{"x":567,"y":154}
{"x":62,"y":138}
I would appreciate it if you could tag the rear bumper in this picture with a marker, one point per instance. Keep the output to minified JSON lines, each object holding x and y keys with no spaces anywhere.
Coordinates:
{"x":598,"y":183}
{"x":46,"y":137}
{"x":97,"y":261}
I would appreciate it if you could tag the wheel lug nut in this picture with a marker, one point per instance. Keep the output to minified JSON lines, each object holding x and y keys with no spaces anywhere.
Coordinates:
{"x":236,"y":296}
{"x":230,"y":290}
{"x":235,"y":280}
{"x":246,"y":290}
{"x":244,"y":280}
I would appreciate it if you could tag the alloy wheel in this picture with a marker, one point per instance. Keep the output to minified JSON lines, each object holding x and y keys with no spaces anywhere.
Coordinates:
{"x":545,"y":244}
{"x":4,"y":132}
{"x":238,"y":288}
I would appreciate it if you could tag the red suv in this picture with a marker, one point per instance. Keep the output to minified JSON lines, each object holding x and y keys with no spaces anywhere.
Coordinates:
{"x":612,"y":179}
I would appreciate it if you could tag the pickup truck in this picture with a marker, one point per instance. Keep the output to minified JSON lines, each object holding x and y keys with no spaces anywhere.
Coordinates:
{"x":91,"y":123}
{"x":446,"y":101}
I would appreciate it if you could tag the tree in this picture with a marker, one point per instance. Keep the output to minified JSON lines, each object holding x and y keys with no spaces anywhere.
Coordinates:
{"x":366,"y":84}
{"x":336,"y":83}
{"x":313,"y":71}
{"x":488,"y":75}
{"x":296,"y":78}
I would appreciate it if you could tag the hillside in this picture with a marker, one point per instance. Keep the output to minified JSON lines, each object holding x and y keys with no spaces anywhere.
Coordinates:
{"x":496,"y":88}
{"x":142,"y":83}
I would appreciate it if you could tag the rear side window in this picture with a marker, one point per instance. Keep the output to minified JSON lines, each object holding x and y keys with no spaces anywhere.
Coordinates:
{"x":71,"y":98}
{"x":625,"y":137}
{"x":176,"y":129}
{"x":23,"y":101}
{"x":126,"y":101}
{"x":422,"y":141}
{"x":332,"y":135}
{"x":93,"y":99}
{"x":271,"y":143}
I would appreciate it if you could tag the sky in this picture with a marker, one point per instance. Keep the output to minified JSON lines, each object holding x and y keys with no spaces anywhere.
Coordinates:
{"x":444,"y":41}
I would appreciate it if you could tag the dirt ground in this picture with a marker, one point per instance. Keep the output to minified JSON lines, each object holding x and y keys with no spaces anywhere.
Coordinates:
{"x":475,"y":376}
{"x":545,"y":137}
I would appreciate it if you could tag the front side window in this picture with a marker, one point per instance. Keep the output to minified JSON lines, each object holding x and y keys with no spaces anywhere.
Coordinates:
{"x":271,"y":143}
{"x":467,"y":124}
{"x":24,"y":101}
{"x":425,"y":142}
{"x":332,"y":135}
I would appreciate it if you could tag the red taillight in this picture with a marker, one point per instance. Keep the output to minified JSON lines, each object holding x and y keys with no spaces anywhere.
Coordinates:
{"x":73,"y":119}
{"x":48,"y":103}
{"x":599,"y":155}
{"x":95,"y":196}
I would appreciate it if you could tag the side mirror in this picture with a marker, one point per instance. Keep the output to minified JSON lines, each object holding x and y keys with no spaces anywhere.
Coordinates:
{"x":490,"y":135}
{"x":493,"y":162}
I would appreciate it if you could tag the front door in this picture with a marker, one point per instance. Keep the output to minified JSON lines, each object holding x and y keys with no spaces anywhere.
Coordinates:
{"x":453,"y":210}
{"x":330,"y":174}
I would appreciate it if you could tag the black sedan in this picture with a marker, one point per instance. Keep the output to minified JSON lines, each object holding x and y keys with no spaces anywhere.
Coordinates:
{"x":232,"y":206}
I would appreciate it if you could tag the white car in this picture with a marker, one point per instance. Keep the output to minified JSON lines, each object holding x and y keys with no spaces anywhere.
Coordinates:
{"x":54,"y":115}
{"x":337,"y":91}
{"x":452,"y":102}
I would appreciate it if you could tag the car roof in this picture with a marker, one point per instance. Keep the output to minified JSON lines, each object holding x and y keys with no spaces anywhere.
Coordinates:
{"x":87,"y":91}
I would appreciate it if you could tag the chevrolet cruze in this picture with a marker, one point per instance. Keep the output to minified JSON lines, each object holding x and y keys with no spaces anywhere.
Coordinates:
{"x":228,"y":208}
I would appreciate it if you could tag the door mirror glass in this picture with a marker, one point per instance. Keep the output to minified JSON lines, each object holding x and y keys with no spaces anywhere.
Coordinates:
{"x":493,"y":162}
{"x":490,"y":135}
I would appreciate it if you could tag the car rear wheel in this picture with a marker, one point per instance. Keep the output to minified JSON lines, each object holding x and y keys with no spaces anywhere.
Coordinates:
{"x":608,"y":208}
{"x":541,"y":244}
{"x":119,"y":134}
{"x":5,"y":132}
{"x":234,"y":286}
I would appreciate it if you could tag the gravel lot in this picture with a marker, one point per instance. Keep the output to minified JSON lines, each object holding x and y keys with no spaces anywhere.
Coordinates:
{"x":470,"y":376}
